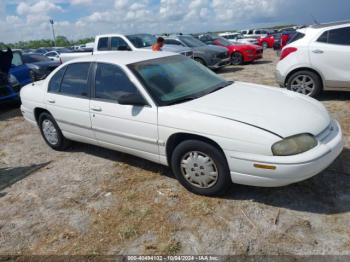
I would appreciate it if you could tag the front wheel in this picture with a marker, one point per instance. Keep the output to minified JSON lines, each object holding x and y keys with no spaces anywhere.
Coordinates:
{"x":305,"y":82}
{"x":236,"y":58}
{"x":52,"y":133}
{"x":201,"y":168}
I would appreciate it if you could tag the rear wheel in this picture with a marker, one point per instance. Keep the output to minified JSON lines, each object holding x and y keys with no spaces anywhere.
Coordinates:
{"x":305,"y":82}
{"x":201,"y":168}
{"x":51,"y":132}
{"x":236,"y":58}
{"x":200,"y":60}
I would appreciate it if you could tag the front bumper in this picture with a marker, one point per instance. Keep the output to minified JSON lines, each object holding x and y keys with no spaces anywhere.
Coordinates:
{"x":290,"y":169}
{"x":220,"y":63}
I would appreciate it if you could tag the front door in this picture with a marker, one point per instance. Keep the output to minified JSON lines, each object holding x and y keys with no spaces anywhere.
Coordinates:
{"x":127,"y":128}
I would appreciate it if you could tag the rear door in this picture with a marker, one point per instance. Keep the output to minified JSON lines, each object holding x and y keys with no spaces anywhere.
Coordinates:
{"x":68,"y":100}
{"x":127,"y":128}
{"x":330,"y":54}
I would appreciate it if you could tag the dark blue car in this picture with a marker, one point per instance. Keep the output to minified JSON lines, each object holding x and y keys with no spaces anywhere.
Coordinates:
{"x":19,"y":76}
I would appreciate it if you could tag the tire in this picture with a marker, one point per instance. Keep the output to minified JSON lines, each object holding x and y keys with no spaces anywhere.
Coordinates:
{"x":200,"y":60}
{"x":305,"y":82}
{"x":200,"y":179}
{"x":265,"y":45}
{"x":55,"y":140}
{"x":236,"y":58}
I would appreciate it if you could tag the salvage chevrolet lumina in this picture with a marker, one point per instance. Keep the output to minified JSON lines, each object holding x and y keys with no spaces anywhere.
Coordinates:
{"x":171,"y":110}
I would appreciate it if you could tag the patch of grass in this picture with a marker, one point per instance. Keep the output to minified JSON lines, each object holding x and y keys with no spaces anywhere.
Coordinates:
{"x":128,"y":232}
{"x":172,"y":248}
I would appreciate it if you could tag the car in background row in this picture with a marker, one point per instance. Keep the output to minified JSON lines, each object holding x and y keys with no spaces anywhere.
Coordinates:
{"x":239,"y":38}
{"x":317,"y":58}
{"x":256,"y":32}
{"x":212,"y":56}
{"x":41,"y":65}
{"x":267,"y":41}
{"x":55,"y":54}
{"x":116,"y":42}
{"x":239,"y":53}
{"x":19,"y":76}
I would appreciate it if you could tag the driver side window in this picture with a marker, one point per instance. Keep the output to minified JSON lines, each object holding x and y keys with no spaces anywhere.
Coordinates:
{"x":17,"y":59}
{"x":111,"y":83}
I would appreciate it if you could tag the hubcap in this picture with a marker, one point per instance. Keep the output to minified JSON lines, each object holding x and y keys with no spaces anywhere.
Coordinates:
{"x":50,"y":132}
{"x":236,"y":59}
{"x":303,"y":84}
{"x":199,"y":169}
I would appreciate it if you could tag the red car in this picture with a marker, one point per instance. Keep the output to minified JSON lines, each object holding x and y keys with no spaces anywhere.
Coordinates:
{"x":239,"y":53}
{"x":267,"y":41}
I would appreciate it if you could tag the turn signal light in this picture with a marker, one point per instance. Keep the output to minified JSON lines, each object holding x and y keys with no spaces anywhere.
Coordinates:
{"x":287,"y":51}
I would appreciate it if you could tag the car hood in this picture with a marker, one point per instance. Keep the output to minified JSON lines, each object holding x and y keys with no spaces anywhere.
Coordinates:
{"x":210,"y":48}
{"x":281,"y":112}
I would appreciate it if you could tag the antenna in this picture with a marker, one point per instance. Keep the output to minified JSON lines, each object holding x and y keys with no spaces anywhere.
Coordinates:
{"x":314,"y":19}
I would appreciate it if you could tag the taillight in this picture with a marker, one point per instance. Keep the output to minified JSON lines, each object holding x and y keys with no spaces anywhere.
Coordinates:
{"x":287,"y":51}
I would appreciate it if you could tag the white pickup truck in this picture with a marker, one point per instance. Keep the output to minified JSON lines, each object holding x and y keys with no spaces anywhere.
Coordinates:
{"x":117,"y":43}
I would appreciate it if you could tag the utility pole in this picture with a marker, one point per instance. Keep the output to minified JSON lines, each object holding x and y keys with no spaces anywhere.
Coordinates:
{"x":53,"y":32}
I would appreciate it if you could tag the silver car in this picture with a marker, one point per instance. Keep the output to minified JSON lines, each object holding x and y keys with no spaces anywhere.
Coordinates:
{"x":214,"y":57}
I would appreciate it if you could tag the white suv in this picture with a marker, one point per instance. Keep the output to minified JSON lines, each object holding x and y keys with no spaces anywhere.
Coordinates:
{"x":317,"y":58}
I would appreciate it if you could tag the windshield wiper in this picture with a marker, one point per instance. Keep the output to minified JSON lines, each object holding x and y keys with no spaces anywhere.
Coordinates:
{"x":182,"y":100}
{"x":221,"y":86}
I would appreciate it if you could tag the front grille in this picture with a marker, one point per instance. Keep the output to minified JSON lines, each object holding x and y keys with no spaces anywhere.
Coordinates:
{"x":223,"y":55}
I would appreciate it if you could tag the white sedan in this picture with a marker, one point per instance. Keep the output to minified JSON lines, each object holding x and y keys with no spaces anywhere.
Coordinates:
{"x":169,"y":109}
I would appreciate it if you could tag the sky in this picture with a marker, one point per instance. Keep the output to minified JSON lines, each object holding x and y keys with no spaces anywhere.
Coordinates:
{"x":29,"y":20}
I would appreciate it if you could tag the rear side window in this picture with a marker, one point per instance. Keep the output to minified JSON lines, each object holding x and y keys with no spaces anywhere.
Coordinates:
{"x":339,"y":36}
{"x":172,"y":42}
{"x":75,"y":80}
{"x":118,"y":43}
{"x":103,"y":44}
{"x":17,"y":59}
{"x":111,"y":83}
{"x":55,"y":82}
{"x":323,"y":38}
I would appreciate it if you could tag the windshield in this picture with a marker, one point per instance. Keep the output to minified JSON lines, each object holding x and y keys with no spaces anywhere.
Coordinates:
{"x":223,"y":41}
{"x":190,"y":41}
{"x":142,"y":40}
{"x":176,"y":79}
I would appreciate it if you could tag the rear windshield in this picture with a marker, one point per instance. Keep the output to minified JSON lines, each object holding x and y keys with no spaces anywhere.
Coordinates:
{"x":295,"y":37}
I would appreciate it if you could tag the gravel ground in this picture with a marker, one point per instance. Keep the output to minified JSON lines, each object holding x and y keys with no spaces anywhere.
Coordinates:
{"x":90,"y":200}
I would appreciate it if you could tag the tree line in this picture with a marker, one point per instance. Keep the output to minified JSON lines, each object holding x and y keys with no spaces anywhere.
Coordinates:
{"x":61,"y":41}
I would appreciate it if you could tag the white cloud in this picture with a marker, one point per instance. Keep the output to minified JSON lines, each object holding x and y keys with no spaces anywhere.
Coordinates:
{"x":129,"y":16}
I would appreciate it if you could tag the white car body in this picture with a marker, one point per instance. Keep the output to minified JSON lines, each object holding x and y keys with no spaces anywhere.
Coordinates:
{"x":243,"y":119}
{"x":255,"y":33}
{"x":331,"y":62}
{"x":53,"y":55}
{"x":238,"y":38}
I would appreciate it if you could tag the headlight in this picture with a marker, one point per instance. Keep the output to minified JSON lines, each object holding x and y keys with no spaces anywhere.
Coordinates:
{"x":294,"y":145}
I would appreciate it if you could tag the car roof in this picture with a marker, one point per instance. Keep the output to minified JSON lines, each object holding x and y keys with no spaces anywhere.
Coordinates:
{"x":332,"y":24}
{"x":124,"y":57}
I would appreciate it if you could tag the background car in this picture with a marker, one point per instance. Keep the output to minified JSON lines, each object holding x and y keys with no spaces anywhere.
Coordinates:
{"x":267,"y":41}
{"x":239,"y":53}
{"x":19,"y":76}
{"x":211,"y":56}
{"x":41,"y":65}
{"x":239,"y":38}
{"x":316,"y":59}
{"x":55,"y":54}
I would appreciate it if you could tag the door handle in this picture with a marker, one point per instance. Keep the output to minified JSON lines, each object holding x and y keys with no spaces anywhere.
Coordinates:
{"x":96,"y":108}
{"x":51,"y":101}
{"x":318,"y":51}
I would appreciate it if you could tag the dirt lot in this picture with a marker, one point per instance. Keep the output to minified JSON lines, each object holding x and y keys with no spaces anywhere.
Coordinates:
{"x":90,"y":200}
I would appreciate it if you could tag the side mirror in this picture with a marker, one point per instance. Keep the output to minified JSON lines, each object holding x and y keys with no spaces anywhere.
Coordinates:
{"x":133,"y":100}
